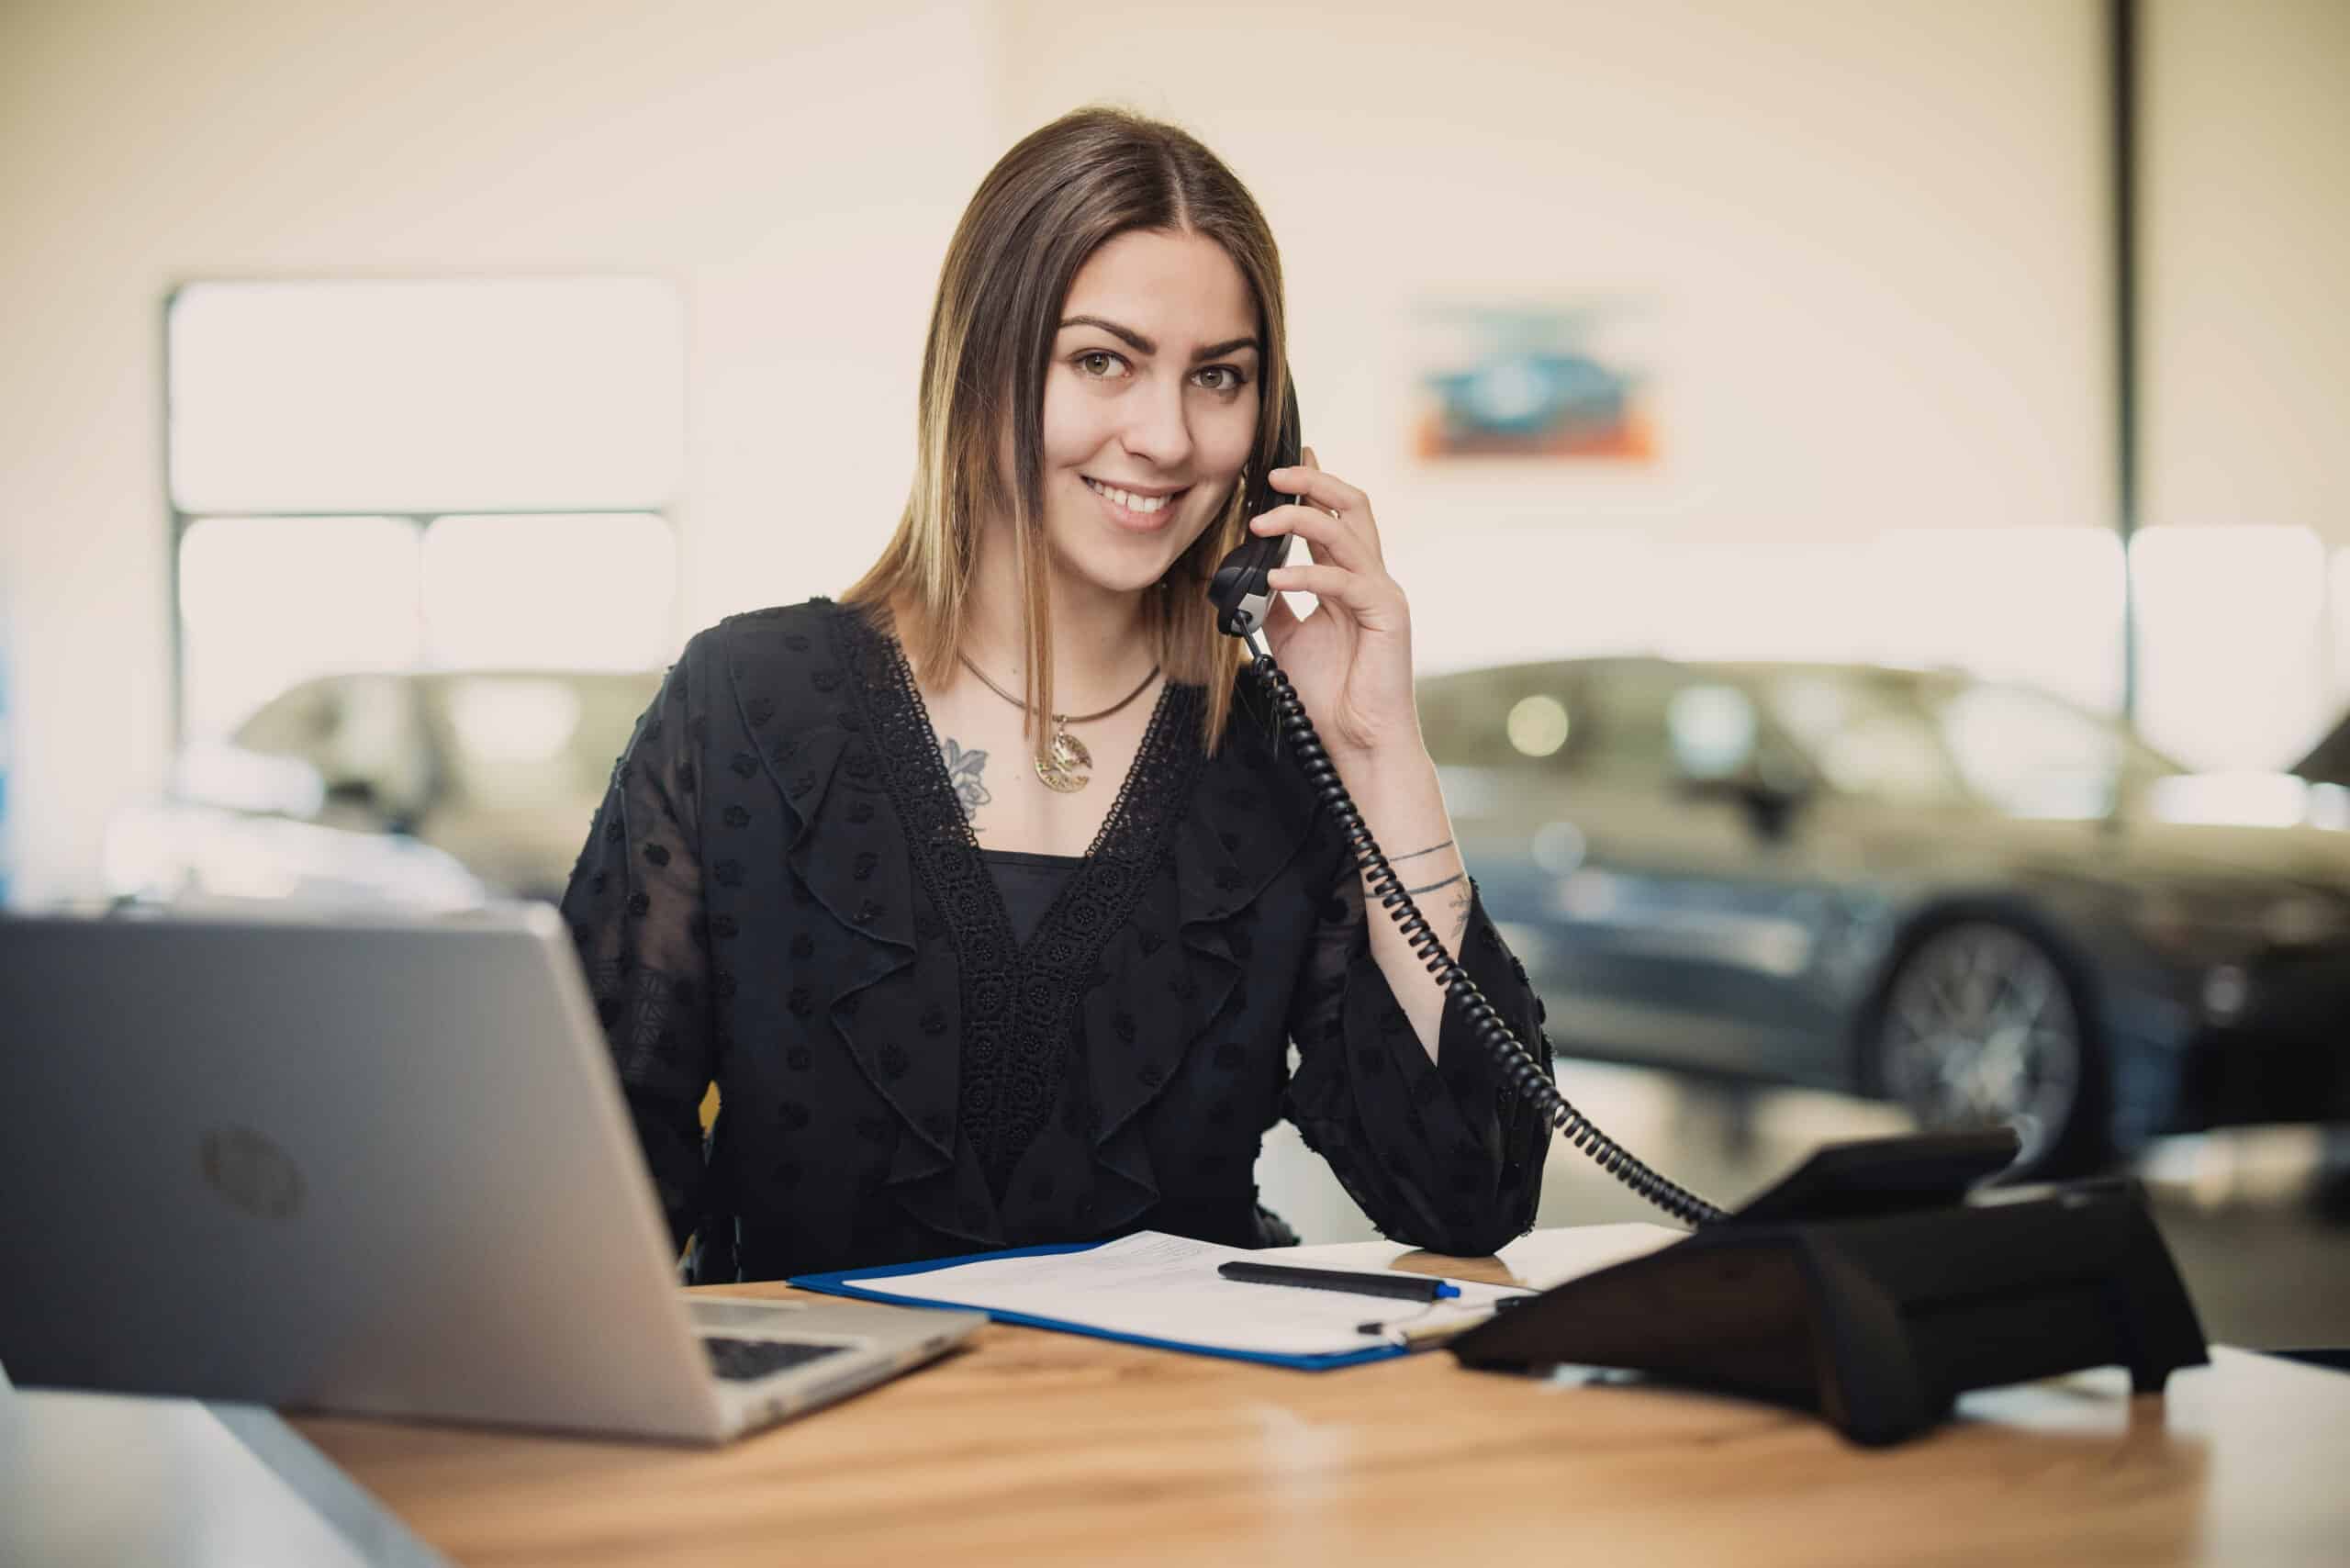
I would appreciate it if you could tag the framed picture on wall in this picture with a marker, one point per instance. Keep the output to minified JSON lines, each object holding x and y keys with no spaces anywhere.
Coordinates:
{"x":1570,"y":382}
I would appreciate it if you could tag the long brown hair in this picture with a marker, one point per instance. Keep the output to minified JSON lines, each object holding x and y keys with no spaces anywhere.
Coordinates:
{"x":1041,"y":213}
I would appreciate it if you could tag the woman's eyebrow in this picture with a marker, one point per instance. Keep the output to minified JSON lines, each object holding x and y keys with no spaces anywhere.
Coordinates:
{"x":1141,"y":344}
{"x":1133,"y":339}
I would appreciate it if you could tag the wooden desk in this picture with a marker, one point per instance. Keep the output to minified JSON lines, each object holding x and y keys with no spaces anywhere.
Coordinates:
{"x":1046,"y":1448}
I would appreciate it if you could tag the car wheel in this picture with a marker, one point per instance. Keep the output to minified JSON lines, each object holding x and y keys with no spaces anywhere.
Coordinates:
{"x":1980,"y":1025}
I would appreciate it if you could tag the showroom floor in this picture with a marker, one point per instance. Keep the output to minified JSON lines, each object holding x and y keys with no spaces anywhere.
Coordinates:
{"x":2262,"y":1271}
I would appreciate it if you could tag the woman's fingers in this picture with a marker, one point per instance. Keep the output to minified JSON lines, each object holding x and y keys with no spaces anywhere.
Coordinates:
{"x":1280,"y":621}
{"x":1321,"y":490}
{"x":1334,"y":539}
{"x":1372,"y":598}
{"x":1354,"y":542}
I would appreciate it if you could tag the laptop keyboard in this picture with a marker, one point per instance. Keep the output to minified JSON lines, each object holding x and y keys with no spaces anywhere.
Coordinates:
{"x":739,"y":1361}
{"x":725,"y":1313}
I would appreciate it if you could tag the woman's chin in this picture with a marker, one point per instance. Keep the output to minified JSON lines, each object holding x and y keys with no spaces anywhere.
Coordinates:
{"x":1105,"y":579}
{"x":1117,"y":567}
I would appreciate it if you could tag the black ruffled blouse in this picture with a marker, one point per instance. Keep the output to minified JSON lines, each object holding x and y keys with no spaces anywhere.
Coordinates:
{"x":781,"y":894}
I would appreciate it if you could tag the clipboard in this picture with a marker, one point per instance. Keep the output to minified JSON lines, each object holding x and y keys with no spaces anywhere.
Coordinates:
{"x":867,"y":1285}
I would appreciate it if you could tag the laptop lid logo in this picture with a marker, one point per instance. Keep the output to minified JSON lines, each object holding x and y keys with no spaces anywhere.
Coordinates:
{"x":251,"y":1173}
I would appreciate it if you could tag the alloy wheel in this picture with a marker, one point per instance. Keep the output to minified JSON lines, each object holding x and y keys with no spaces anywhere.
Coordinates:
{"x":1980,"y":1030}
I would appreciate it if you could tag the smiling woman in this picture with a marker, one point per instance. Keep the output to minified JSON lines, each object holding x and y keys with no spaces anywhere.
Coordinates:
{"x":1147,"y":278}
{"x":953,"y":1004}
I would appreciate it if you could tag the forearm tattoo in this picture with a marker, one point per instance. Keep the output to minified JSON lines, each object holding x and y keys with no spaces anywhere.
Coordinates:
{"x":1459,"y":906}
{"x":1432,"y":887}
{"x":1416,"y":854}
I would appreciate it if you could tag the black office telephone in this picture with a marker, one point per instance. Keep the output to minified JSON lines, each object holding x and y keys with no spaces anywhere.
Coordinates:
{"x":1866,"y":1286}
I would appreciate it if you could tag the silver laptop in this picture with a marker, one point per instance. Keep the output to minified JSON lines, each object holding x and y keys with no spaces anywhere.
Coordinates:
{"x":379,"y":1166}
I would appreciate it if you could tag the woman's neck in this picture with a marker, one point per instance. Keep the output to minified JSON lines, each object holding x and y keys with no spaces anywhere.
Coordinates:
{"x":1100,"y":640}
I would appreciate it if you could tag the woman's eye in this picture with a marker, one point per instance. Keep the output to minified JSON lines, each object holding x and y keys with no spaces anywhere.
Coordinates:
{"x":1100,"y":364}
{"x":1221,"y":379}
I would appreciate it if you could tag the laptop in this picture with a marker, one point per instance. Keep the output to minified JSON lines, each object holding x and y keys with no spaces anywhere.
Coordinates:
{"x":371,"y":1165}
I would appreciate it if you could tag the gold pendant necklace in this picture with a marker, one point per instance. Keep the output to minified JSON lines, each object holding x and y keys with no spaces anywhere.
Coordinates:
{"x":1064,"y":760}
{"x":1062,"y":766}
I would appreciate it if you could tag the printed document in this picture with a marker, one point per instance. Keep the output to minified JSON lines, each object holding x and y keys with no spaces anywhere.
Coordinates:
{"x":1156,"y":1286}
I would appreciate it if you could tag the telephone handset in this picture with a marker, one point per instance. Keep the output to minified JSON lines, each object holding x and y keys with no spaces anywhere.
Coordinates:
{"x":1243,"y":595}
{"x":1863,"y":1286}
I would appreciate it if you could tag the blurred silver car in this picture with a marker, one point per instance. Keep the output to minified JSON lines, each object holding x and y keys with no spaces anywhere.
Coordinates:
{"x":433,"y":788}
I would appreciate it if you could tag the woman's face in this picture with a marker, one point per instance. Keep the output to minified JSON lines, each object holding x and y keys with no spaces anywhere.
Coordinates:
{"x":1150,"y":405}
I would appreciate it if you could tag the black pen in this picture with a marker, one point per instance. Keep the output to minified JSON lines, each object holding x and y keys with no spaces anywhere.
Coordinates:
{"x":1410,"y":1287}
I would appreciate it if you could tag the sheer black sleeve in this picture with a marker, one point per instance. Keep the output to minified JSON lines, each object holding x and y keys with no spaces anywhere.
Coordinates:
{"x":1442,"y":1154}
{"x":634,"y":905}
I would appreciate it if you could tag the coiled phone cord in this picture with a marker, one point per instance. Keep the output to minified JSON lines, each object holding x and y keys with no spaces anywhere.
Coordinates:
{"x":1525,"y":1075}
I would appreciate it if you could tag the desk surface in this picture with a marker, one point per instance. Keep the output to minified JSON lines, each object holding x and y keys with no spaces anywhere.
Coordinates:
{"x":1048,"y":1448}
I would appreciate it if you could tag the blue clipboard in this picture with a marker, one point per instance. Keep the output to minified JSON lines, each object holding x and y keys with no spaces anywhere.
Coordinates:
{"x":852,"y":1282}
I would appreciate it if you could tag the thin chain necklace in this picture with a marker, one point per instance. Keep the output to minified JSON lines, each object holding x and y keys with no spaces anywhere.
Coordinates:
{"x":1062,"y":766}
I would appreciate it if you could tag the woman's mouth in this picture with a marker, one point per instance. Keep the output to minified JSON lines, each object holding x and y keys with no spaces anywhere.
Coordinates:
{"x":1129,"y":508}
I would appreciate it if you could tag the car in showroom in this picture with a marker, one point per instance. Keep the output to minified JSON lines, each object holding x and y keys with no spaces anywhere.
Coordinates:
{"x":1967,"y":896}
{"x":431,"y":789}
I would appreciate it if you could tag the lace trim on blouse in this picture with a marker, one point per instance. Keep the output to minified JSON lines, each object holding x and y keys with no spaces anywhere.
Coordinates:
{"x":1019,"y":1000}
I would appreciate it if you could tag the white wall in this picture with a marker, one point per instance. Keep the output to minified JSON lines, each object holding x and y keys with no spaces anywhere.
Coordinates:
{"x":797,"y":169}
{"x":1876,"y":230}
{"x":2245,"y":425}
{"x":2247,"y":239}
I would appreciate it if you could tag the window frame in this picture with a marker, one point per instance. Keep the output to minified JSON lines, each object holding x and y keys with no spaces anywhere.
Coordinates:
{"x":180,"y":521}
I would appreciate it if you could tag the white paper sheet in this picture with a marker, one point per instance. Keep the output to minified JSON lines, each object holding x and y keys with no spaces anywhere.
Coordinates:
{"x":1539,"y":1259}
{"x":1546,"y":1258}
{"x":1166,"y":1287}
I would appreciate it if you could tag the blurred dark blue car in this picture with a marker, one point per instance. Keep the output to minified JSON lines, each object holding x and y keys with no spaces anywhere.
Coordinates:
{"x":1971,"y":898}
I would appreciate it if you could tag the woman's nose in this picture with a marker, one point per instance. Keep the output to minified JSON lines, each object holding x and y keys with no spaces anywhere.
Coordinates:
{"x":1161,"y":431}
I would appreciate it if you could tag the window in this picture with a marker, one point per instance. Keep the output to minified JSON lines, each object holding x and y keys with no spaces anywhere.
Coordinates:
{"x":1868,"y":735}
{"x":390,"y":475}
{"x":2039,"y":606}
{"x":2338,"y":628}
{"x":1712,"y":730}
{"x":2230,"y":666}
{"x":2034,"y":756}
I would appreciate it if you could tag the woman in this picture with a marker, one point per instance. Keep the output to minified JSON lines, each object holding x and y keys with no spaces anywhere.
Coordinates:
{"x":870,"y":866}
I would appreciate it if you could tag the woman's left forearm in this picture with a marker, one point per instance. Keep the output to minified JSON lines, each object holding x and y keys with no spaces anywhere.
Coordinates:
{"x":1403,"y":805}
{"x":1352,"y":663}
